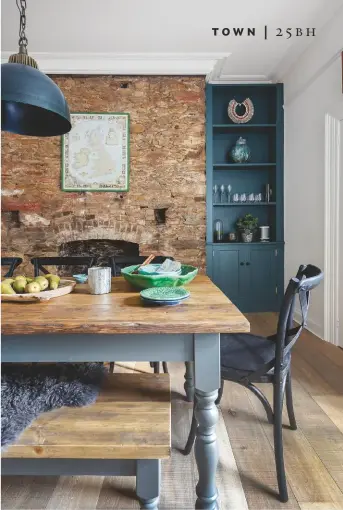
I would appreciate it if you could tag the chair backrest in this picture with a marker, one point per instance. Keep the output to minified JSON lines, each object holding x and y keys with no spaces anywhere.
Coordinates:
{"x":119,"y":262}
{"x":40,"y":262}
{"x":12,"y":262}
{"x":307,"y":278}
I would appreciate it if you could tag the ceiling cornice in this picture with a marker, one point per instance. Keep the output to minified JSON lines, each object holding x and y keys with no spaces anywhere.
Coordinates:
{"x":125,"y":63}
{"x":219,"y":76}
{"x":241,"y":79}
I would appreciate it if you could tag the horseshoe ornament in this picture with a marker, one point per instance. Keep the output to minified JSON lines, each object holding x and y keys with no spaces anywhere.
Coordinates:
{"x":247,"y":115}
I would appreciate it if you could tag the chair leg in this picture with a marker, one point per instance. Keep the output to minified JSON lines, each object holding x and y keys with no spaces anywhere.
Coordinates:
{"x":278,"y":442}
{"x":111,"y":367}
{"x":156,"y":367}
{"x":192,"y":435}
{"x":165,"y":367}
{"x":289,"y":401}
{"x":220,"y":392}
{"x":256,"y":391}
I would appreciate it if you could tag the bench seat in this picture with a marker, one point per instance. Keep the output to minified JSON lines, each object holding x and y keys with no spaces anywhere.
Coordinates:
{"x":129,"y":420}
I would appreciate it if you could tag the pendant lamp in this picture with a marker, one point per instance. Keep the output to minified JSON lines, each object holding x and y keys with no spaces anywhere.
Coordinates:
{"x":31,"y":103}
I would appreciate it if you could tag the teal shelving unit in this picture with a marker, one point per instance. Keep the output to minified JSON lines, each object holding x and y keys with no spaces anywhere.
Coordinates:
{"x":251,"y":274}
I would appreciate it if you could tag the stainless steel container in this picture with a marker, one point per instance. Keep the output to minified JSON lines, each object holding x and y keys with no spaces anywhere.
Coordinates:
{"x":264,"y":237}
{"x":99,"y":280}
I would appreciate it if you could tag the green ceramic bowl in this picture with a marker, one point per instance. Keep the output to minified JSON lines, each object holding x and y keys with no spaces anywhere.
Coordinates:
{"x":142,"y":281}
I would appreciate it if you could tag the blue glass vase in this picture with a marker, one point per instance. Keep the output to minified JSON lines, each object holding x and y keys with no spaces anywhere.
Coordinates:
{"x":240,"y":152}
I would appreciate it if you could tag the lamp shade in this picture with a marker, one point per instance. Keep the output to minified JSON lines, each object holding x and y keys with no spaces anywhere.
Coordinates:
{"x":31,"y":103}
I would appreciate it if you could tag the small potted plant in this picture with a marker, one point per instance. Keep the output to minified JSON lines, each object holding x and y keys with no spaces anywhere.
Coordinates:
{"x":247,"y":226}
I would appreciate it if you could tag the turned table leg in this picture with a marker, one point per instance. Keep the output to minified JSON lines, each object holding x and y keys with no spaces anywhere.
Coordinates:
{"x":206,"y":453}
{"x":189,"y":381}
{"x":148,"y":476}
{"x":207,"y":382}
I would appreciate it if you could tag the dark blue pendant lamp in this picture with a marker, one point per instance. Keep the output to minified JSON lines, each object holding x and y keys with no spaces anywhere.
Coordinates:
{"x":31,"y":103}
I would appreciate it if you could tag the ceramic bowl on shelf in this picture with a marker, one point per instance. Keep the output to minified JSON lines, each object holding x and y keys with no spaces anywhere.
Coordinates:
{"x":143,"y":281}
{"x":80,"y":278}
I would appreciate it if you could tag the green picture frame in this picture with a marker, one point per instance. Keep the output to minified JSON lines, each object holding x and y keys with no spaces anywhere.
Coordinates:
{"x":95,"y":154}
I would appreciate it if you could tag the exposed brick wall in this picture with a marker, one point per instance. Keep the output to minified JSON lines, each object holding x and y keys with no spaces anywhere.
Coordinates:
{"x":167,"y":171}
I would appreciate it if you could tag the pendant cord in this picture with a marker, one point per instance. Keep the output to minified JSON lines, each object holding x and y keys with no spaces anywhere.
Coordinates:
{"x":23,"y":41}
{"x":22,"y":57}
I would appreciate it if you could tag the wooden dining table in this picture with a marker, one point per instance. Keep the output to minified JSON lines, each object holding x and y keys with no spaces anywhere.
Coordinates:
{"x":82,"y":327}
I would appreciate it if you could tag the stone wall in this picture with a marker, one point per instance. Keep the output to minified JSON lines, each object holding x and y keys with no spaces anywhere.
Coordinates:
{"x":167,"y":171}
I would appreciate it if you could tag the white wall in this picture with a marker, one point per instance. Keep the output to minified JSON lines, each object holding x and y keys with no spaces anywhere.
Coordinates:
{"x":312,"y":88}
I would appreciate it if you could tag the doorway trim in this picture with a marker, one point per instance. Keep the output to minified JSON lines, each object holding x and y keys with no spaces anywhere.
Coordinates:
{"x":333,"y":141}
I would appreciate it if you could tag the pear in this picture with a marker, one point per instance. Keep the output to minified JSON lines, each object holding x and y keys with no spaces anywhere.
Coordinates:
{"x":6,"y":288}
{"x":8,"y":280}
{"x":20,"y":277}
{"x":53,"y":285}
{"x":54,"y":282}
{"x":19,"y":286}
{"x":32,"y":287}
{"x":29,"y":280}
{"x":42,"y":282}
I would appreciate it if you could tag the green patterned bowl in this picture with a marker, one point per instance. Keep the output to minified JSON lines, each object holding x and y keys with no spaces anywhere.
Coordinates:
{"x":142,"y":281}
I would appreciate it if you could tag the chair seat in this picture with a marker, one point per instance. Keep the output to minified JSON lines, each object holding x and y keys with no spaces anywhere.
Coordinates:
{"x":244,"y":353}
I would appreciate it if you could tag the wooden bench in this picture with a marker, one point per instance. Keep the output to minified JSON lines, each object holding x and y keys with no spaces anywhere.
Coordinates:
{"x":126,"y":432}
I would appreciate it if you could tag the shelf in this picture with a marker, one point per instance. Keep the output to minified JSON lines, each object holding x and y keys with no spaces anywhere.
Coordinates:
{"x":242,"y":126}
{"x":245,"y":244}
{"x":244,"y":204}
{"x":241,"y":165}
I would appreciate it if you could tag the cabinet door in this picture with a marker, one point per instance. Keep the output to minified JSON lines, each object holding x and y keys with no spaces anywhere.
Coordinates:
{"x":226,"y":271}
{"x":262,"y":279}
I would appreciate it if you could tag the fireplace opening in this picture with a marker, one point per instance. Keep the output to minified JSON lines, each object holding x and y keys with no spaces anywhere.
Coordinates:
{"x":100,"y":249}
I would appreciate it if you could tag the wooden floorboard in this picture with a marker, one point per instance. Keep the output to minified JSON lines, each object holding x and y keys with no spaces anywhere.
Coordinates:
{"x":246,"y":473}
{"x":75,"y":492}
{"x":332,"y":405}
{"x":252,"y":451}
{"x":308,"y":475}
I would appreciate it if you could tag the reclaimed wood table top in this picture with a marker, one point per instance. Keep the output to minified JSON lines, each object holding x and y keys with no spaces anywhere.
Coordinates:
{"x":207,"y":310}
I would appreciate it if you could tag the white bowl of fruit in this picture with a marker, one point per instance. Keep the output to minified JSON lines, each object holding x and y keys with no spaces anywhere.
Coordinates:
{"x":40,"y":288}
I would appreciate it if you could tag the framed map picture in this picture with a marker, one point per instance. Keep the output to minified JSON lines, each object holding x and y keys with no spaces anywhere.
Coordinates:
{"x":95,"y":153}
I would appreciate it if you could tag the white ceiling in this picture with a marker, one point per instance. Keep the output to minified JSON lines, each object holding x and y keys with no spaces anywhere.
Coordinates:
{"x":65,"y":31}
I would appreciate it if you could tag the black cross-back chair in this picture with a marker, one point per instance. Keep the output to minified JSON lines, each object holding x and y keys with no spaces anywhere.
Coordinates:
{"x":40,"y":262}
{"x":12,"y":263}
{"x":247,"y":359}
{"x":117,"y":264}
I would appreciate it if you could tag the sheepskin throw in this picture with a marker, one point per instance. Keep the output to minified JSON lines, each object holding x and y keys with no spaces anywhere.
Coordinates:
{"x":30,"y":390}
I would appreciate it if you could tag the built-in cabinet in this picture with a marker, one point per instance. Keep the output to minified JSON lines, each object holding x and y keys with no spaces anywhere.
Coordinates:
{"x":250,"y":274}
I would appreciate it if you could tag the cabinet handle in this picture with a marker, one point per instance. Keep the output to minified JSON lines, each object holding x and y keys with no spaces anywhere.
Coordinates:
{"x":242,"y":263}
{"x":248,"y":263}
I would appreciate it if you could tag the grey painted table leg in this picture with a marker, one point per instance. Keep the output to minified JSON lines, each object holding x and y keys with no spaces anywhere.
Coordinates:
{"x":189,"y":381}
{"x":148,"y":476}
{"x":207,"y":382}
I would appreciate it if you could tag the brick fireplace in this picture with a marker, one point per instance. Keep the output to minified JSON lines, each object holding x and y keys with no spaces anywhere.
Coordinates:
{"x":164,"y":211}
{"x":100,"y":249}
